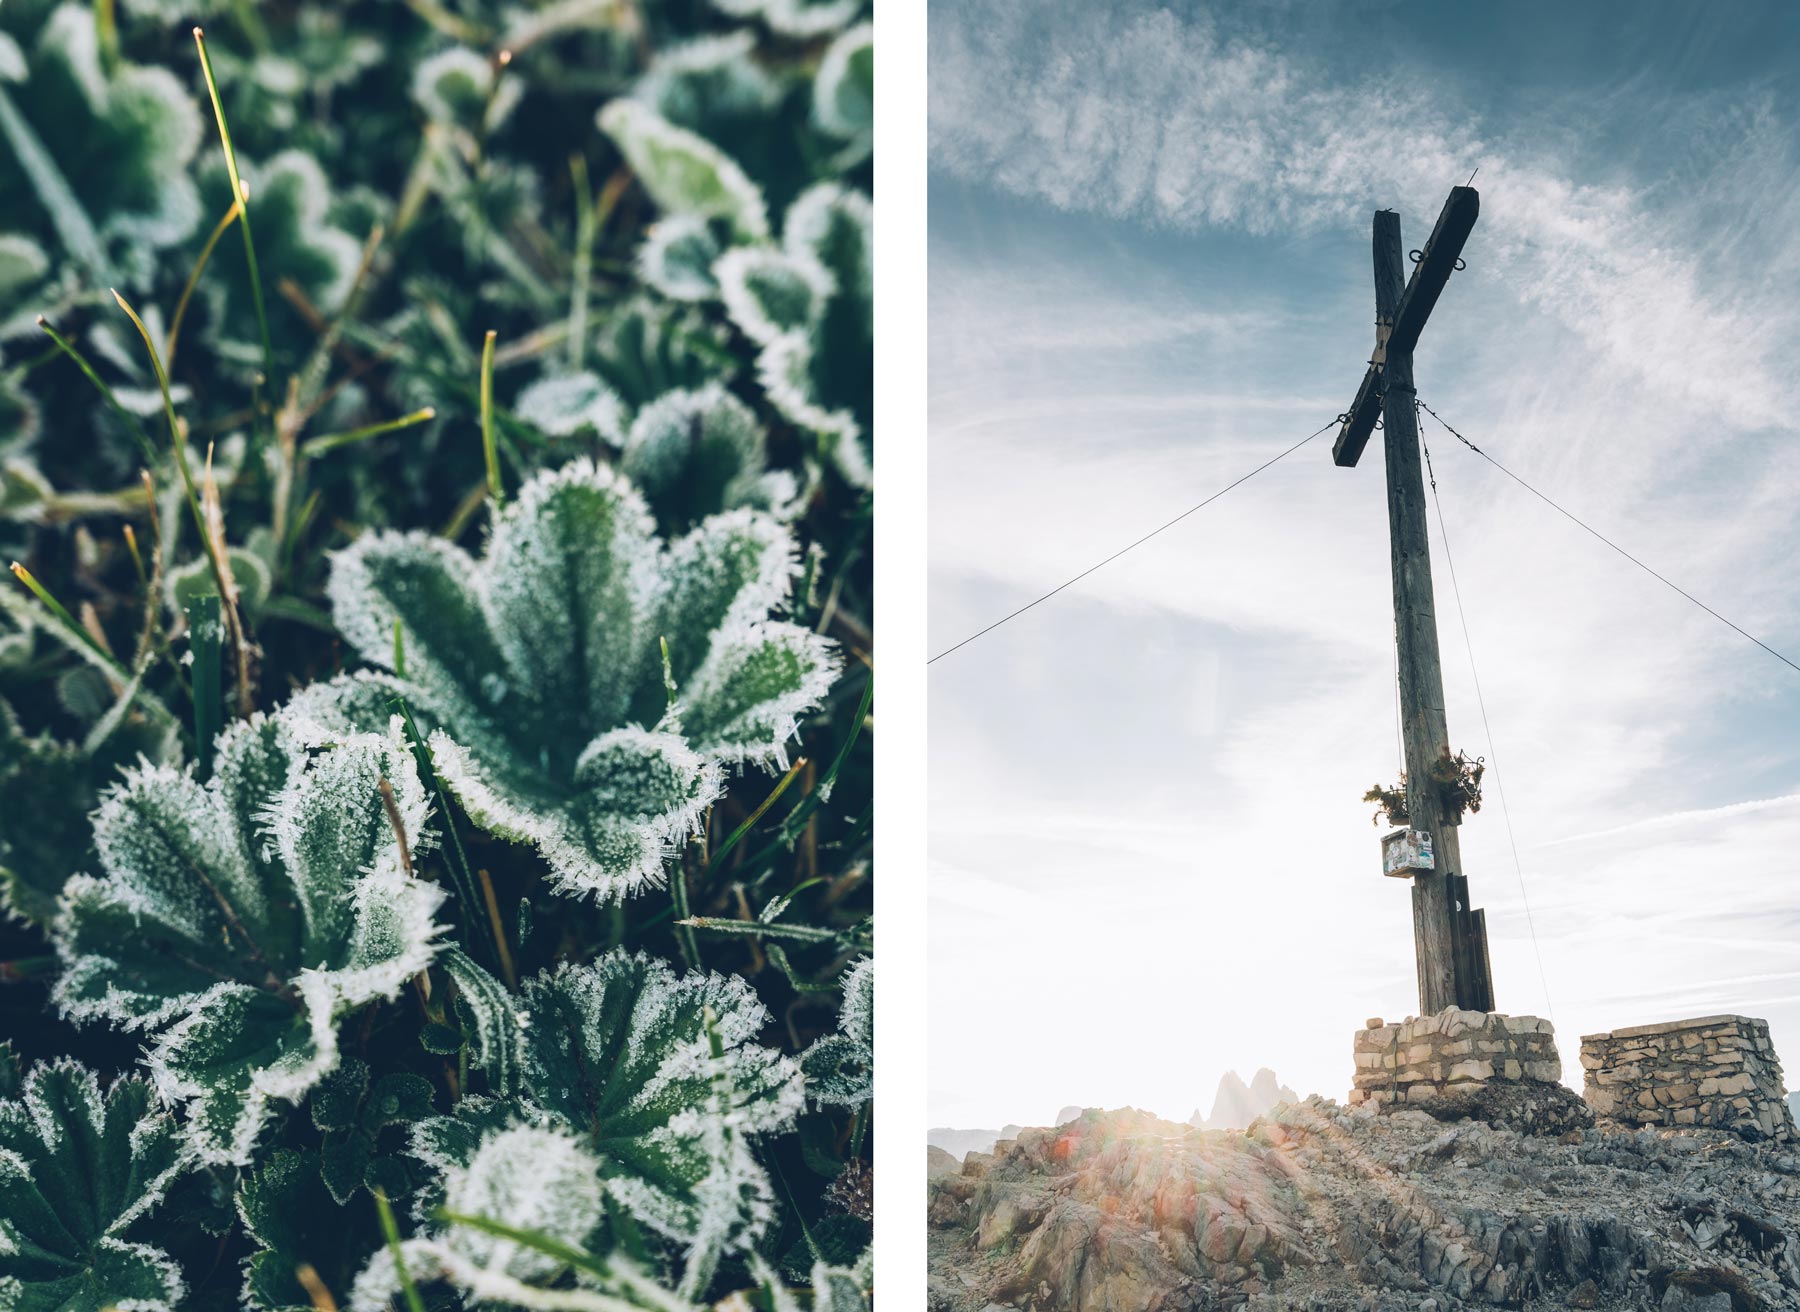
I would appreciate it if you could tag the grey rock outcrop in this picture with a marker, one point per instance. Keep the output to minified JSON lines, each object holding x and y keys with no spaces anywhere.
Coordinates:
{"x":1330,"y":1209}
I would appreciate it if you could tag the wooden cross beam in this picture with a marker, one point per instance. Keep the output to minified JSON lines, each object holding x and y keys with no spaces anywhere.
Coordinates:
{"x":1449,"y":937}
{"x":1429,"y":275}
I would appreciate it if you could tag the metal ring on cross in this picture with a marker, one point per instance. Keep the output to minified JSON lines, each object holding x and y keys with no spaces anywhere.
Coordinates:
{"x":1415,"y":256}
{"x":1460,"y":264}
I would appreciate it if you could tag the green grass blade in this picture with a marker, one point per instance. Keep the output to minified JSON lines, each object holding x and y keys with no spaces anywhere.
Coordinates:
{"x":131,"y":420}
{"x":391,"y":1232}
{"x":567,"y":1254}
{"x":333,"y":441}
{"x":488,"y":450}
{"x":68,"y":621}
{"x":243,"y":197}
{"x":206,"y":640}
{"x":737,"y":834}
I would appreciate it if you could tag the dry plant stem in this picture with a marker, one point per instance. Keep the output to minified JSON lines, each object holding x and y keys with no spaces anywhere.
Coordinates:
{"x":389,"y":805}
{"x":507,"y":970}
{"x":153,"y":585}
{"x":322,"y":1300}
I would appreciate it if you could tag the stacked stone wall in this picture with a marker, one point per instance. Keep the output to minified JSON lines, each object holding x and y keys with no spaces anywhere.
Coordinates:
{"x":1451,"y":1057}
{"x":1718,"y":1071}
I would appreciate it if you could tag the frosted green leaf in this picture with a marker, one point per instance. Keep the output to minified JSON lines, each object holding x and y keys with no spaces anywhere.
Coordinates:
{"x":683,"y":172}
{"x":288,"y":1212}
{"x":535,"y":1177}
{"x":708,"y":80}
{"x":103,"y":156}
{"x":538,"y":668}
{"x":821,"y":376}
{"x":769,"y":292}
{"x":563,"y":405}
{"x":76,"y":1170}
{"x":840,"y":1068}
{"x":352,"y":1113}
{"x":290,"y":199}
{"x":241,"y":920}
{"x":57,"y":783}
{"x":834,"y":1288}
{"x":695,"y":453}
{"x":623,"y":1050}
{"x":654,"y":1085}
{"x":646,"y":347}
{"x":48,"y":781}
{"x":194,"y":579}
{"x":797,"y":18}
{"x":457,"y":87}
{"x":677,"y":256}
{"x":22,"y":263}
{"x":494,"y":1016}
{"x":844,"y":90}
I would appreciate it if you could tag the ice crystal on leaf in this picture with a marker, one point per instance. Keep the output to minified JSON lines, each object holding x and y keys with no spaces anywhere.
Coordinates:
{"x":840,"y":1068}
{"x":241,"y":920}
{"x":104,"y":152}
{"x":541,"y":668}
{"x":76,"y":1170}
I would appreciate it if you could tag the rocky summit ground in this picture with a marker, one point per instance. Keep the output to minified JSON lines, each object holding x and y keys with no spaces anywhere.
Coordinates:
{"x":1324,"y":1208}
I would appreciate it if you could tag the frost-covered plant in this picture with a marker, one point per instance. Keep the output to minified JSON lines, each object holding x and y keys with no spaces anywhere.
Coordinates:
{"x":542,"y":666}
{"x":238,"y":921}
{"x":640,"y":1091}
{"x":101,"y":151}
{"x":77,"y":1170}
{"x":589,"y":544}
{"x":840,"y":1068}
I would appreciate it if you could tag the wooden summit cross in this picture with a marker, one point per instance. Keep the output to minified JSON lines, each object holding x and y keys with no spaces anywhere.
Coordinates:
{"x":1449,"y":938}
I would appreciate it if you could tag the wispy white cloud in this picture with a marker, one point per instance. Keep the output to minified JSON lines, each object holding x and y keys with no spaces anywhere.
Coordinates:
{"x":1146,"y":115}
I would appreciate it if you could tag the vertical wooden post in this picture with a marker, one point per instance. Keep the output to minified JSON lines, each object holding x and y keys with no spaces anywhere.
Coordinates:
{"x":1424,"y":733}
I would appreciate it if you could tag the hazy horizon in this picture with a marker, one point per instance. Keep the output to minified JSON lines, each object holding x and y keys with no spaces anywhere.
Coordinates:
{"x":1150,"y":272}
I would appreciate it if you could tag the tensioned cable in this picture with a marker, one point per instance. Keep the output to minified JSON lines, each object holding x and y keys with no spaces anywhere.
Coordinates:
{"x":1487,"y":728}
{"x":1609,"y":542}
{"x":1132,"y":545}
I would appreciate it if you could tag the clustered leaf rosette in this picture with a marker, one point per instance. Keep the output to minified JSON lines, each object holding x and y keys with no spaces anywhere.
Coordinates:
{"x":103,"y":152}
{"x":840,"y":1068}
{"x":806,"y":303}
{"x":77,"y":1170}
{"x":240,"y":920}
{"x":642,"y":1093}
{"x":540,"y":668}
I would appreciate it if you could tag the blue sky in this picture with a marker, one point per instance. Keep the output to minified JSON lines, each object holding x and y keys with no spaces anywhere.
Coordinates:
{"x":1150,"y":271}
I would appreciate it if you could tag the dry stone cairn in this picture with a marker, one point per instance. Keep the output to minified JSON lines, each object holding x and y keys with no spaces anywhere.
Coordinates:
{"x":1716,"y":1072}
{"x":1460,"y":1064}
